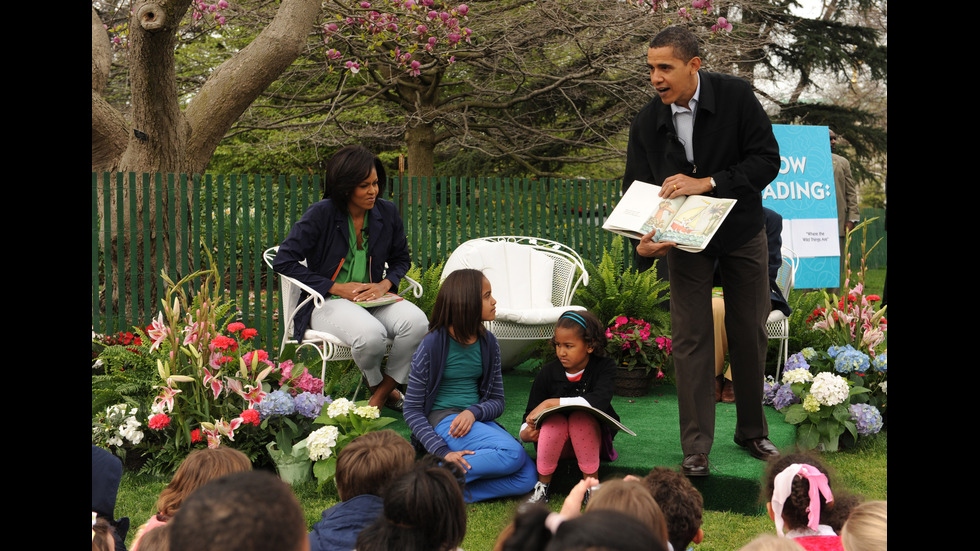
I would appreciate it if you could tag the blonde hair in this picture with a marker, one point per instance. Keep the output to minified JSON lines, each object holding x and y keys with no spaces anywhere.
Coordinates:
{"x":198,"y":468}
{"x":866,"y":528}
{"x":633,"y":498}
{"x":772,"y":542}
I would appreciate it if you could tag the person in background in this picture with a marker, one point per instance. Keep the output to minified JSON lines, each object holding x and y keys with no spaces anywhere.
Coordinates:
{"x":681,"y":503}
{"x":244,"y":511}
{"x":364,"y":468}
{"x":197,"y":469}
{"x":423,"y":511}
{"x":106,"y":474}
{"x":848,"y":211}
{"x":866,"y":528}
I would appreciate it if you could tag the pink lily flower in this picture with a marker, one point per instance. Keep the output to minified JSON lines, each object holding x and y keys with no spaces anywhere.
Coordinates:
{"x":215,"y":383}
{"x":166,"y":398}
{"x":157,"y":331}
{"x":254,"y":395}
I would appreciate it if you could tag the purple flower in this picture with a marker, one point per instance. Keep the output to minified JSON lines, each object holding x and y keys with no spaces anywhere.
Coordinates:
{"x":769,"y":389}
{"x":277,"y":402}
{"x":866,"y":418}
{"x":309,"y":404}
{"x":784,"y":397}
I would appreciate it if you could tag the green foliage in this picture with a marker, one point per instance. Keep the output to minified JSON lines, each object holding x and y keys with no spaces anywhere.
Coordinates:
{"x":801,"y":335}
{"x":430,"y":282}
{"x":122,"y":375}
{"x":617,"y":290}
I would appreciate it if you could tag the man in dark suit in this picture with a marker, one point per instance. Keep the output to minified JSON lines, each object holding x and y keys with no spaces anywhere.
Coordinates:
{"x":707,"y":134}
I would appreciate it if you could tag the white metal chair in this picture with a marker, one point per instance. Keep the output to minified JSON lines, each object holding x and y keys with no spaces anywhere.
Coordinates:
{"x":777,"y":326}
{"x":329,"y":347}
{"x":533,"y":280}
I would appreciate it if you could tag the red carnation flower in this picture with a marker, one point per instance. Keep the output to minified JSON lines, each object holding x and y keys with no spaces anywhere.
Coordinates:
{"x":250,"y":416}
{"x":159,"y":421}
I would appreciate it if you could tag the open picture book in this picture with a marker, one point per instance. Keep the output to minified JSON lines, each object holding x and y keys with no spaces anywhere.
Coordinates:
{"x":599,"y":414}
{"x":690,"y":221}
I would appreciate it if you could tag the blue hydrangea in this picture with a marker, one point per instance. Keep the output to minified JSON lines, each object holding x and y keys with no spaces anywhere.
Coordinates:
{"x":309,"y":404}
{"x":784,"y":397}
{"x":866,"y":418}
{"x":277,"y":402}
{"x":796,"y":361}
{"x":880,"y":363}
{"x":769,"y":389}
{"x":833,"y":351}
{"x":851,"y":360}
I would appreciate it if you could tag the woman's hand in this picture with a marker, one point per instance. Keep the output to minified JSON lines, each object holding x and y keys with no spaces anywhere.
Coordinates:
{"x":358,"y":292}
{"x":371,"y":291}
{"x":462,"y":424}
{"x":457,"y":458}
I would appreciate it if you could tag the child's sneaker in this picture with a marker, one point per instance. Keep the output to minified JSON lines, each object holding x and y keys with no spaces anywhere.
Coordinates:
{"x":540,"y":493}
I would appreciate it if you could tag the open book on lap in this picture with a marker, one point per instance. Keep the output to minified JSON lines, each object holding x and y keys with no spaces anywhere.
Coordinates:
{"x":690,"y":221}
{"x":602,"y":416}
{"x":387,"y":298}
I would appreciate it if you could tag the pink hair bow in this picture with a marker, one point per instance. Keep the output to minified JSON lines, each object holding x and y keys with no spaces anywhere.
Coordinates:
{"x":783,"y":484}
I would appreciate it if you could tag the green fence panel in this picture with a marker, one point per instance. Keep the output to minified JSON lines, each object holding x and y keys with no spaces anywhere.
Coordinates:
{"x":237,"y":217}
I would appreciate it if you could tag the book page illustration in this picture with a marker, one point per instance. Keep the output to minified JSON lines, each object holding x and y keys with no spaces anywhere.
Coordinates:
{"x":696,"y":222}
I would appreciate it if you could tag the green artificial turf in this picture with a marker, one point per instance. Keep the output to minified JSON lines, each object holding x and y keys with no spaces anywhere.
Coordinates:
{"x":735,"y":475}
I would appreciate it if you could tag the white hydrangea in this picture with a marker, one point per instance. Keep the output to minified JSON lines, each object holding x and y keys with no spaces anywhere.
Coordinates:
{"x":367,"y":412}
{"x":797,"y":376}
{"x":883,"y":386}
{"x":340,"y":406}
{"x":320,"y":443}
{"x":829,"y":389}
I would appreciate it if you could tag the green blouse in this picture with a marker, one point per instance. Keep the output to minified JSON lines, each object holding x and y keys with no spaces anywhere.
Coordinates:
{"x":355,"y":266}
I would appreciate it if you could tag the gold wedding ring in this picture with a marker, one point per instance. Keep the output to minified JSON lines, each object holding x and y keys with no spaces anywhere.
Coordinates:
{"x":675,"y":187}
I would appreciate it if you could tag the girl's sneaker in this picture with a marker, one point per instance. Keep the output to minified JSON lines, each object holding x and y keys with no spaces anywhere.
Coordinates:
{"x":540,"y":493}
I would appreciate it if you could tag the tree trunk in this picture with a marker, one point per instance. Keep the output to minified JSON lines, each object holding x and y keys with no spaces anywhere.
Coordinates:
{"x":163,"y":139}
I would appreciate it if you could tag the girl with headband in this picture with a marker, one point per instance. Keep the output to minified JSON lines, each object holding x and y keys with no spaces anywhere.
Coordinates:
{"x":803,"y":506}
{"x":582,"y":374}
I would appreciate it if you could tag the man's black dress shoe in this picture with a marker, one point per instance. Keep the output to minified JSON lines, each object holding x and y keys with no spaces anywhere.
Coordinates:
{"x":695,"y":465}
{"x":759,"y":448}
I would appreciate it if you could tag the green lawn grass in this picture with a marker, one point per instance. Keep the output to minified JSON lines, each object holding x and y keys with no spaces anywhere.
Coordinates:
{"x":862,"y":470}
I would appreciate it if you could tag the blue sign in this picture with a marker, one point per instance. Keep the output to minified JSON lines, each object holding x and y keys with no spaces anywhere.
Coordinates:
{"x":803,"y":193}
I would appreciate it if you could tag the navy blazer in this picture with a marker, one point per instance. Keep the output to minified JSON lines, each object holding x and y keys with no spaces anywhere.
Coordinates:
{"x":322,"y":237}
{"x":733,"y":143}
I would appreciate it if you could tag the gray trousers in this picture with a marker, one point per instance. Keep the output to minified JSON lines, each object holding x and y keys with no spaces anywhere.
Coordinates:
{"x":745,"y":278}
{"x":365,"y":331}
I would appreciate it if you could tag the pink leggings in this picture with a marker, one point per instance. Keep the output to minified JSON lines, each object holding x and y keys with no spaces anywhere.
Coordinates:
{"x":577,"y":435}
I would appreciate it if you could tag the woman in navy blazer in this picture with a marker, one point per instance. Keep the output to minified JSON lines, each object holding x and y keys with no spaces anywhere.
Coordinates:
{"x":346,"y":240}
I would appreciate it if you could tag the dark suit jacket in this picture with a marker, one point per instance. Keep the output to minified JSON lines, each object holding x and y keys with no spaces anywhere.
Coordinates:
{"x":741,"y":166}
{"x":321,"y":237}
